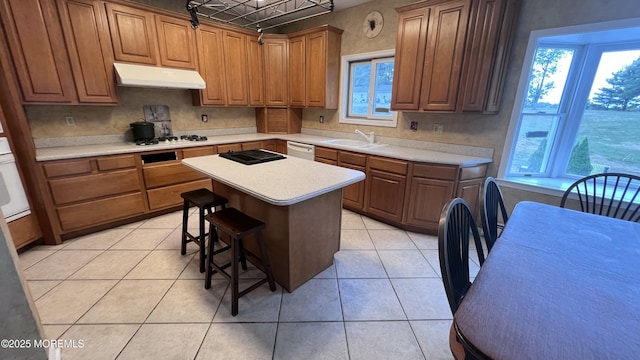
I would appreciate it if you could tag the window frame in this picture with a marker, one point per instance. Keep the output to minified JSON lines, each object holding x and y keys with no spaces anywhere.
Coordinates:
{"x":345,"y":76}
{"x":553,"y":181}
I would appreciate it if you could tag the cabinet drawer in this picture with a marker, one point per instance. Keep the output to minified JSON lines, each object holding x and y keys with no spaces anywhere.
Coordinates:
{"x":435,"y":171}
{"x":229,"y":147}
{"x":389,"y":165}
{"x":100,"y":211}
{"x":326,"y":153}
{"x":168,"y":174}
{"x":80,"y":188}
{"x":252,"y":145}
{"x":116,"y":162}
{"x":473,"y":172}
{"x":75,"y":167}
{"x":170,"y":195}
{"x":201,"y":151}
{"x":346,"y":157}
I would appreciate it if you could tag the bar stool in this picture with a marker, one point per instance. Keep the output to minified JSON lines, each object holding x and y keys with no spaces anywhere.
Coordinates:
{"x":204,"y":199}
{"x":237,"y":226}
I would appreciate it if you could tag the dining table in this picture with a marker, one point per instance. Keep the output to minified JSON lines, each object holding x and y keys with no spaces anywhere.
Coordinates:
{"x":557,"y":284}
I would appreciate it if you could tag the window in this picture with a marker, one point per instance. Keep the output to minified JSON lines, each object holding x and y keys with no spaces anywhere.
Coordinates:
{"x":366,"y":97}
{"x":577,"y":109}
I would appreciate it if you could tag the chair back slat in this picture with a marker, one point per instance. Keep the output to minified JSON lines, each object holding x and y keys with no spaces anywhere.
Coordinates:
{"x":493,"y":208}
{"x":614,"y":195}
{"x":455,"y":229}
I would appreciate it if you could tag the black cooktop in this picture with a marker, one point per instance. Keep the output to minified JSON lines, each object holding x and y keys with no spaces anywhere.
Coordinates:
{"x":250,"y":157}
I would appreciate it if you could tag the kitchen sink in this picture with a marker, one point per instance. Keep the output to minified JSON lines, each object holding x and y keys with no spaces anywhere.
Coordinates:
{"x":353,"y":143}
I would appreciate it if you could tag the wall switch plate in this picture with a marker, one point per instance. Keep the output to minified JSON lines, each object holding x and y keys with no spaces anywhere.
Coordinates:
{"x":204,"y":117}
{"x":321,"y":119}
{"x":414,"y":126}
{"x":69,"y":121}
{"x":438,"y":128}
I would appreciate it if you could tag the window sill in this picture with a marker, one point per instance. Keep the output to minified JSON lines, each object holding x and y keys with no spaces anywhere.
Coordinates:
{"x":556,"y":187}
{"x":547,"y":186}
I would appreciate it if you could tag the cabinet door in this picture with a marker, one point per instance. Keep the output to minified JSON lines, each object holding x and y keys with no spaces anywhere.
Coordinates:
{"x":469,"y":190}
{"x":409,"y":59}
{"x":211,"y":60}
{"x":276,"y":74}
{"x":235,"y":60}
{"x":37,"y":46}
{"x":385,"y":194}
{"x":255,"y":72}
{"x":87,"y":35}
{"x":297,"y":71}
{"x":353,"y":195}
{"x":500,"y":56}
{"x":270,"y":145}
{"x":484,"y":26}
{"x":316,"y":70}
{"x":133,"y":34}
{"x":424,"y":206}
{"x":177,"y":43}
{"x":444,"y":55}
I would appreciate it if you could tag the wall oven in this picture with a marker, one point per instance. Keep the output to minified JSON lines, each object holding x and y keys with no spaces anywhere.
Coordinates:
{"x":13,"y":199}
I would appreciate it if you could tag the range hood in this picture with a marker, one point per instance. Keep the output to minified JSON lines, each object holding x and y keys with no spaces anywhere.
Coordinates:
{"x":157,"y":77}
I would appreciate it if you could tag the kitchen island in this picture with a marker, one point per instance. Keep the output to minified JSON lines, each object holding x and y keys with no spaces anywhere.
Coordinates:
{"x":300,"y":201}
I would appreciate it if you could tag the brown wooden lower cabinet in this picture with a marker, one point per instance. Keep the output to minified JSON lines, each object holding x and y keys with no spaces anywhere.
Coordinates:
{"x":93,"y":192}
{"x":168,"y":196}
{"x":100,"y":211}
{"x":24,"y":230}
{"x":427,"y":196}
{"x":353,"y":195}
{"x":385,"y":194}
{"x":406,"y":194}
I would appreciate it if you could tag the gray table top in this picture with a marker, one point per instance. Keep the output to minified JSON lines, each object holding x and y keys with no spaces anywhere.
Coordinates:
{"x":558,"y":284}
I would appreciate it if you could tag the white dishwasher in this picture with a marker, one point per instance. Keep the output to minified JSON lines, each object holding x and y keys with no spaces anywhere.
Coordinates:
{"x":300,"y":150}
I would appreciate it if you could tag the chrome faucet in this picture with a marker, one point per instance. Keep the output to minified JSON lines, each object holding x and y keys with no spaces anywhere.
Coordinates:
{"x":371,"y":138}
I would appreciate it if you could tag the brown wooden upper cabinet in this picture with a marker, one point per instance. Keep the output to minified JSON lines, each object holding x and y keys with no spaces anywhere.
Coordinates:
{"x":255,"y":72}
{"x":451,"y":55}
{"x":276,"y":71}
{"x":37,"y":47}
{"x":314,"y":67}
{"x":177,"y":43}
{"x":211,"y":59}
{"x":140,"y":36}
{"x":89,"y":45}
{"x":133,"y":34}
{"x":235,"y":68}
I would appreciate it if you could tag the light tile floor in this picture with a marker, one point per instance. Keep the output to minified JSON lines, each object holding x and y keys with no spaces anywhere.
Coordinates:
{"x":129,"y":294}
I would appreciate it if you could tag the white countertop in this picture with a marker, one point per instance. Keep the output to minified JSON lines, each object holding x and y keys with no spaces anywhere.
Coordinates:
{"x":397,"y":152}
{"x":280,"y":182}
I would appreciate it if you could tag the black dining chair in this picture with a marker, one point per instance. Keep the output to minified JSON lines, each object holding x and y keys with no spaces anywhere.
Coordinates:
{"x":494,"y":213}
{"x":455,"y":229}
{"x":614,"y":195}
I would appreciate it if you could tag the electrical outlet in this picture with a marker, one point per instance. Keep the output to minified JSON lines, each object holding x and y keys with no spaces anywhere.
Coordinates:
{"x":204,"y":117}
{"x":438,"y":128}
{"x":69,"y":121}
{"x":321,"y":119}
{"x":414,"y":126}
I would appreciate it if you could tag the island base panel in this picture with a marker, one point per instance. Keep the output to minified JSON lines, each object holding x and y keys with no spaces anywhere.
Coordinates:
{"x":301,"y":238}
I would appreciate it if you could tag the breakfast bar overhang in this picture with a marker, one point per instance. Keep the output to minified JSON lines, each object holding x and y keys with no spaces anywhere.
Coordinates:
{"x":300,"y":201}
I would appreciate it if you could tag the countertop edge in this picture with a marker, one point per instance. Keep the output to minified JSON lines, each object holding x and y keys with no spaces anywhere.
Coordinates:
{"x":279,"y":202}
{"x":391,"y":151}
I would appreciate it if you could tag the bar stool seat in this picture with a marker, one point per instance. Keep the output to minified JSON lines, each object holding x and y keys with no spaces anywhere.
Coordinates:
{"x":237,"y":226}
{"x":204,"y":199}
